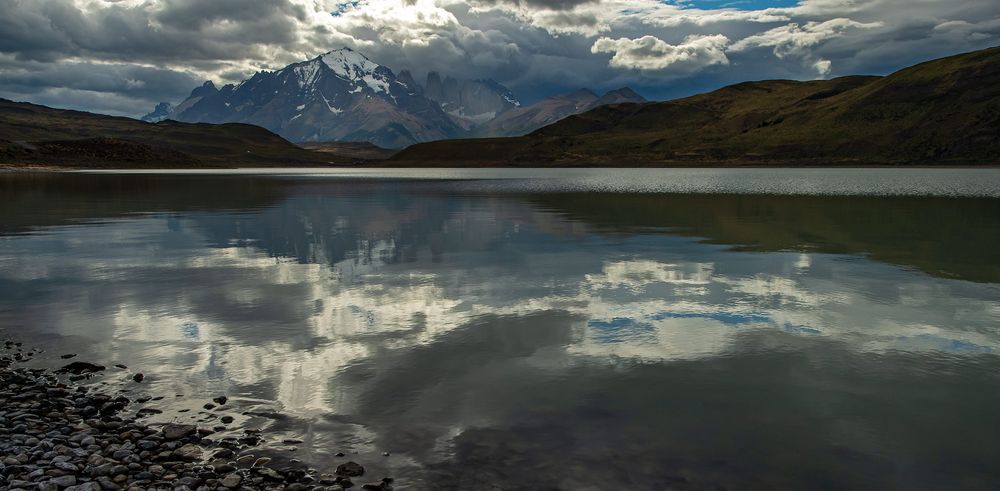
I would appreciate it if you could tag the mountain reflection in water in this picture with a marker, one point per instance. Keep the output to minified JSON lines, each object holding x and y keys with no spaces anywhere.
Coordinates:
{"x":570,"y":340}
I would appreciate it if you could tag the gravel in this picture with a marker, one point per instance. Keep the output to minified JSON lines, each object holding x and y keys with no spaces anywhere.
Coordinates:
{"x":56,"y":434}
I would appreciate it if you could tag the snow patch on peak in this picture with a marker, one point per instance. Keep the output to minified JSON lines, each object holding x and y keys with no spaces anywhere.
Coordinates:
{"x":307,"y":74}
{"x":331,"y":107}
{"x":345,"y":60}
{"x":356,"y":67}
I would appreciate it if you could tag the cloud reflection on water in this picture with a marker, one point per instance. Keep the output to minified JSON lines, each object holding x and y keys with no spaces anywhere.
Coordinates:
{"x":426,"y":317}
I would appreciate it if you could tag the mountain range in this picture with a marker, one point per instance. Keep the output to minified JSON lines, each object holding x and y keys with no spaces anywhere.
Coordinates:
{"x":945,"y":111}
{"x":942,"y":112}
{"x":341,"y":95}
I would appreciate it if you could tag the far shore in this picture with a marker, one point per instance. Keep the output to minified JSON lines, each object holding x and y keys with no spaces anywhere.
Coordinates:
{"x":36,"y":168}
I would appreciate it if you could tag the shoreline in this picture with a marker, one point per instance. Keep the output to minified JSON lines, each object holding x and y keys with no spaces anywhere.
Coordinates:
{"x":57,"y":433}
{"x":34,"y":168}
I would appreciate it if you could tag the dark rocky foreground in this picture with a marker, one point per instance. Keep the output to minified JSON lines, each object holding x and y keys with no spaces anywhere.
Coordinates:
{"x":59,"y":434}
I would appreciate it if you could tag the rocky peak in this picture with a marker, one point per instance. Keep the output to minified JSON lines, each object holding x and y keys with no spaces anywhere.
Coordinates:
{"x":159,"y":113}
{"x":405,"y":78}
{"x":206,"y":89}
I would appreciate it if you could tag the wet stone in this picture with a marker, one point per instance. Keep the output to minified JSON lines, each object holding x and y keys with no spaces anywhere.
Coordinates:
{"x":80,"y":367}
{"x":177,"y":431}
{"x":350,"y":469}
{"x":59,"y":436}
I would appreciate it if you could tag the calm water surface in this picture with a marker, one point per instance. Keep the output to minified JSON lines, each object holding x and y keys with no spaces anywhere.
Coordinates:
{"x":571,"y":329}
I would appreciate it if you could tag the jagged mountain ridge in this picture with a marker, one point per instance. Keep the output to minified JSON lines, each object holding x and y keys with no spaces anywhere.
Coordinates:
{"x":159,"y":113}
{"x":476,"y":101}
{"x":341,"y":95}
{"x":524,"y":120}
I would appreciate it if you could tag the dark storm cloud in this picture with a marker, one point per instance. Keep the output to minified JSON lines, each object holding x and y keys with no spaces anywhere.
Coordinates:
{"x":173,"y":30}
{"x":132,"y":80}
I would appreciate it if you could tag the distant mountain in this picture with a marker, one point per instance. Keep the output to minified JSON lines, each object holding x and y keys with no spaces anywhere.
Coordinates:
{"x":523,"y":120}
{"x":340,"y":95}
{"x":343,"y":96}
{"x":476,"y":101}
{"x":945,"y":111}
{"x":33,"y":134}
{"x":161,"y":112}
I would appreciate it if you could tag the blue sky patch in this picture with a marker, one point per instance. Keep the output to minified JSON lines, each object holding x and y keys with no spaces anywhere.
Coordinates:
{"x":730,"y":318}
{"x":620,"y":329}
{"x":344,"y":7}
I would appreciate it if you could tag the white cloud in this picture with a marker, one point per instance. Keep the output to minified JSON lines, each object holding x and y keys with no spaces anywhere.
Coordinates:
{"x":795,"y":39}
{"x":823,"y":67}
{"x":652,"y":53}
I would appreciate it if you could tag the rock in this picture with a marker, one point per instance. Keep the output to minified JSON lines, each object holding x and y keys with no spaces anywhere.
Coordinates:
{"x":68,"y":356}
{"x":89,"y":486}
{"x":64,"y":481}
{"x":175,"y":431}
{"x":350,"y":469}
{"x":138,"y":377}
{"x":221,"y":400}
{"x":223,"y":453}
{"x":147,"y":444}
{"x":57,"y":436}
{"x":189,"y":452}
{"x":232,"y":480}
{"x":80,"y":367}
{"x":123,"y":367}
{"x":269,"y":473}
{"x":108,"y":484}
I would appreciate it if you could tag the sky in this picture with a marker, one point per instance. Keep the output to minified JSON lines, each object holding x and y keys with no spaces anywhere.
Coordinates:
{"x":123,"y":56}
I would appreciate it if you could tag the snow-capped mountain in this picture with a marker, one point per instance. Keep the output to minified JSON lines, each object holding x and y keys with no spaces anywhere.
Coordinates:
{"x":339,"y":95}
{"x":343,"y":96}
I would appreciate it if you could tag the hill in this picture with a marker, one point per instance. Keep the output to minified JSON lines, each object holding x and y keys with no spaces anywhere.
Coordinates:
{"x":945,"y":111}
{"x":33,"y":134}
{"x":357,"y":151}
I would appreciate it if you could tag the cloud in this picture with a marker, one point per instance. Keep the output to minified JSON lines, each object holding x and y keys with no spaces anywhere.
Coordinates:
{"x":794,"y":40}
{"x":536,"y":47}
{"x":823,"y":67}
{"x":651,"y":53}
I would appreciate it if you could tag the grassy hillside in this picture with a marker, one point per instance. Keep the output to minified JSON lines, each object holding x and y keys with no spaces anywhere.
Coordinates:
{"x":945,"y":111}
{"x":33,"y":134}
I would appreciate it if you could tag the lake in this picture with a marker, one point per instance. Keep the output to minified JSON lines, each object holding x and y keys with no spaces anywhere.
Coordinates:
{"x":541,"y":329}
